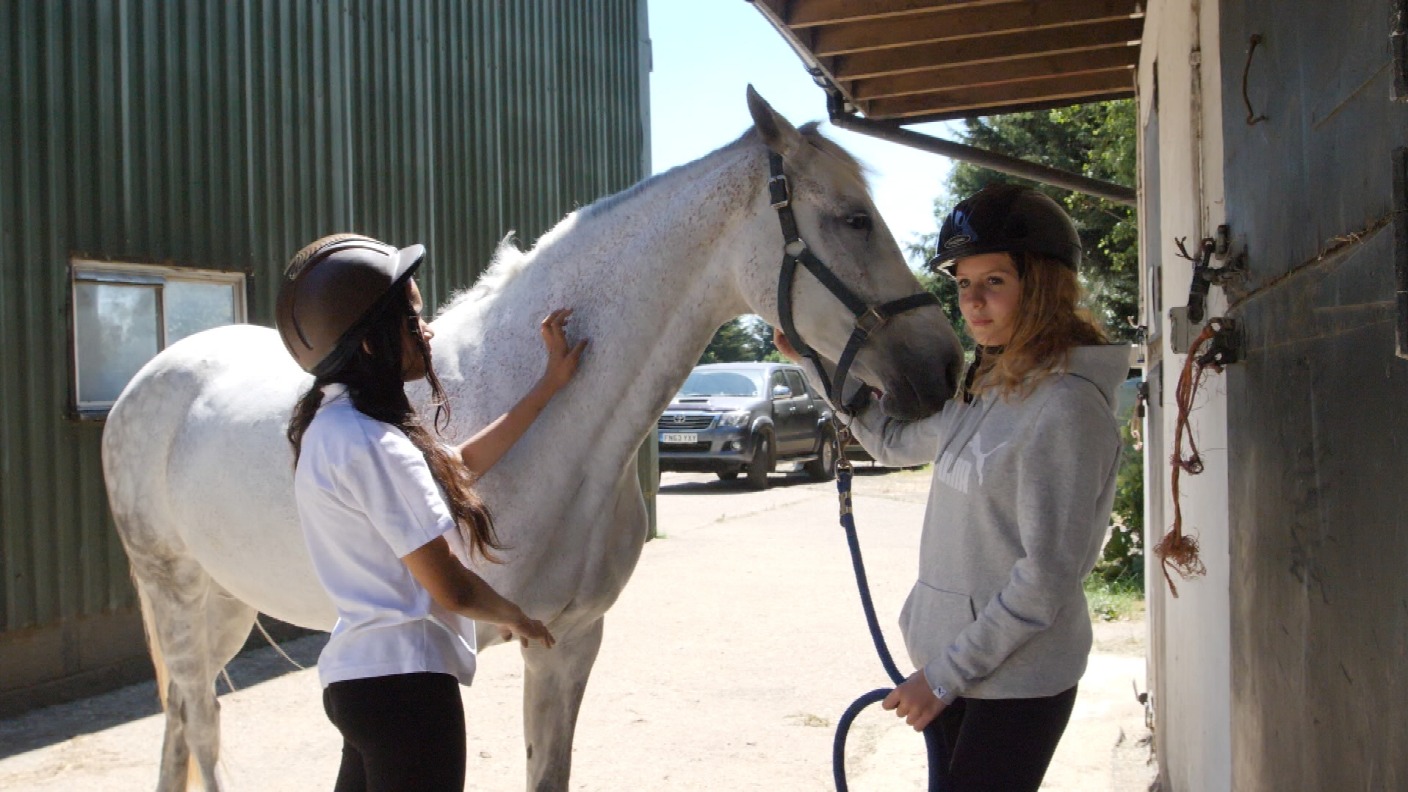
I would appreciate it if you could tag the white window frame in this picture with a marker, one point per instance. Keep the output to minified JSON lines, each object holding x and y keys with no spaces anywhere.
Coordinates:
{"x":83,"y":271}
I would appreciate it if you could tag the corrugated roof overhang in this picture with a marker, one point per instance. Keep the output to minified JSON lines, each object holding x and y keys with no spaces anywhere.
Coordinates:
{"x":911,"y":61}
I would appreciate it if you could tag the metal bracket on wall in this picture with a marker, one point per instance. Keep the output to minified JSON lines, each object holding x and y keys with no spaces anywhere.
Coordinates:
{"x":1182,"y":330}
{"x":1230,"y":276}
{"x":1225,"y":347}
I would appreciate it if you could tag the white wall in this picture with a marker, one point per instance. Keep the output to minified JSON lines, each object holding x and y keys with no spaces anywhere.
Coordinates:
{"x":1190,"y":654}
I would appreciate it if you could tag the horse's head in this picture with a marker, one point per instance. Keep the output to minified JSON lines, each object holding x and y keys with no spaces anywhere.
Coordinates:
{"x":847,"y":271}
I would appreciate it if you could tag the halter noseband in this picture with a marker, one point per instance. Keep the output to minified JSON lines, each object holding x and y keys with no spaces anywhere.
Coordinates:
{"x":869,"y":318}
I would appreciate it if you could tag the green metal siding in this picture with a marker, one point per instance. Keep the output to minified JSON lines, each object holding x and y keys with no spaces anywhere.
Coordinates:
{"x":225,"y":136}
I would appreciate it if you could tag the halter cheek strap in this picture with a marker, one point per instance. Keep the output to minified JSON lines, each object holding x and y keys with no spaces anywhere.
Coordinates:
{"x":869,"y":318}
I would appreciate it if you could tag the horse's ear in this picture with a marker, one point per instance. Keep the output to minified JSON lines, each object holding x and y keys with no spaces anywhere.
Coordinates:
{"x":777,"y":132}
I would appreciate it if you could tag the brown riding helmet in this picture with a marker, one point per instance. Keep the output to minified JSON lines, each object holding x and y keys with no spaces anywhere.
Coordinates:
{"x":330,"y":291}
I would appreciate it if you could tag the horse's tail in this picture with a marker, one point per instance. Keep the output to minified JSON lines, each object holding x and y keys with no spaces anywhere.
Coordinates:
{"x":153,"y":642}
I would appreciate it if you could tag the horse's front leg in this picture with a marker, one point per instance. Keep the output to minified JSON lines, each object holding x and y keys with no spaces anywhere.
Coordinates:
{"x":554,"y":681}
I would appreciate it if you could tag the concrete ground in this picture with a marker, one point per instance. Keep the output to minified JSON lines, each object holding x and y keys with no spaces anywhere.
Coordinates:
{"x":727,"y":661}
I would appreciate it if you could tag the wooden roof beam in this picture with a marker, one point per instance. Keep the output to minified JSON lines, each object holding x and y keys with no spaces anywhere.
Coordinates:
{"x":972,"y":101}
{"x":986,"y":49}
{"x":939,"y":114}
{"x":811,"y":13}
{"x":1067,"y":63}
{"x":966,"y":23}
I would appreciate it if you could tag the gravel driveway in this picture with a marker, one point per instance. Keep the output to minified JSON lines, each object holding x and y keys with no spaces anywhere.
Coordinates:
{"x":726,"y":662}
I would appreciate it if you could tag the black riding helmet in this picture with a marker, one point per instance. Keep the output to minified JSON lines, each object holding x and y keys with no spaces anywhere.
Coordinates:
{"x":330,"y":292}
{"x":1007,"y":218}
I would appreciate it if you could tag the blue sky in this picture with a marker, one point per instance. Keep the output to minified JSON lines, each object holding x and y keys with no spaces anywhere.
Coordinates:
{"x":706,"y":53}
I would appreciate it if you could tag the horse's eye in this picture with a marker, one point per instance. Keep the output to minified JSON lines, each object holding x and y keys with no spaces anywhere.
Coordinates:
{"x":860,"y":221}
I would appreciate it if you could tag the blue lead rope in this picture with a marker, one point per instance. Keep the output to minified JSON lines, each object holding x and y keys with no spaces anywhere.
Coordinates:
{"x":937,"y":760}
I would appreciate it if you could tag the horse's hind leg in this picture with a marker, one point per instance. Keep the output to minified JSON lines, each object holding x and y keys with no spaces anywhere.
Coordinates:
{"x":554,"y":681}
{"x":228,"y":623}
{"x":195,"y":629}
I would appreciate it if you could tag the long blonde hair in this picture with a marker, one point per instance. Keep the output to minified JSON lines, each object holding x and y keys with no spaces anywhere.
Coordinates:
{"x":1049,"y":324}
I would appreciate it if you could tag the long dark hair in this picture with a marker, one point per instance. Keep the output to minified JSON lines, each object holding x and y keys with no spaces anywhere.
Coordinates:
{"x":373,"y":376}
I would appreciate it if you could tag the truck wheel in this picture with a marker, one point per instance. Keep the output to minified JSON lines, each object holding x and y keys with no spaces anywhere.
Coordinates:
{"x":761,"y":465}
{"x":823,"y":468}
{"x":726,"y":475}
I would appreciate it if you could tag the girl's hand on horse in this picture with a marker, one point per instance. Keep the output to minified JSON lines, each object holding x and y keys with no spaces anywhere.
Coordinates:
{"x":562,"y":356}
{"x":485,"y":448}
{"x":457,"y":589}
{"x":914,"y":701}
{"x":526,"y":630}
{"x":784,"y":347}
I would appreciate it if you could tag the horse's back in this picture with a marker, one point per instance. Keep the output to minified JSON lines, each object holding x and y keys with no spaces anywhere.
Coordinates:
{"x":197,"y":467}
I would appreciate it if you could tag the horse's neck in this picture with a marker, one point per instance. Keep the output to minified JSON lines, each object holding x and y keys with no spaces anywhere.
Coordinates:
{"x":649,"y":277}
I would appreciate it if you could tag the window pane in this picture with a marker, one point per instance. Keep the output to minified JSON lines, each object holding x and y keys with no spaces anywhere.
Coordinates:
{"x":116,"y":333}
{"x":796,"y":383}
{"x":193,"y":306}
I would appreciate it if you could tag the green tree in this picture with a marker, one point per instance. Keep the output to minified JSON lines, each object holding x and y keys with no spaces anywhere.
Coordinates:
{"x":1122,"y":560}
{"x":1095,"y":140}
{"x":747,"y":338}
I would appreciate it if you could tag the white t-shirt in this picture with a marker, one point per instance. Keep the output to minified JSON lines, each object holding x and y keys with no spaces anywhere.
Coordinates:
{"x":365,"y":500}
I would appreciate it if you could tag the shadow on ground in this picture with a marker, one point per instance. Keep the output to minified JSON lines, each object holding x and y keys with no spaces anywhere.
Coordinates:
{"x":775,"y":481}
{"x":256,"y":663}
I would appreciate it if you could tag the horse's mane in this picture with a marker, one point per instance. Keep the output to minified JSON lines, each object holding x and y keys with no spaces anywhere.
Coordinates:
{"x":509,"y":260}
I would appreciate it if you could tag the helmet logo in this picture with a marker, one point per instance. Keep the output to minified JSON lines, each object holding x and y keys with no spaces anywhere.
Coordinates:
{"x":962,"y":227}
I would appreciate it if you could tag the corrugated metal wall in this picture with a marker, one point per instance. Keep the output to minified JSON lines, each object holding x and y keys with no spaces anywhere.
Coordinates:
{"x":226,"y":135}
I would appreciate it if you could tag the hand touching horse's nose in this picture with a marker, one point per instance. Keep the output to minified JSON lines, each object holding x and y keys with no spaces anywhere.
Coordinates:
{"x":779,"y":340}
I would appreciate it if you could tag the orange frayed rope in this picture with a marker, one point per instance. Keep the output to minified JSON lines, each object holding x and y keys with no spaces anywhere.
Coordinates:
{"x":1178,"y":551}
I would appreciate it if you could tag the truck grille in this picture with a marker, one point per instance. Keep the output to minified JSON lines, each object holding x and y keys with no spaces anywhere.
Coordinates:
{"x":684,"y":423}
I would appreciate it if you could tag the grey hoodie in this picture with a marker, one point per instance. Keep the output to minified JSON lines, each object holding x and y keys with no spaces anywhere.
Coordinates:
{"x":1017,"y":514}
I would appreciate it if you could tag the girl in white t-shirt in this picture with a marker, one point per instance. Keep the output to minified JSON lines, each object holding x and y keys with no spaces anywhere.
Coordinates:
{"x":389,"y":514}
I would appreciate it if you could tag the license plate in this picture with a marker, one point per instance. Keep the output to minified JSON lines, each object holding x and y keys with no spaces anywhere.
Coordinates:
{"x":679,"y":438}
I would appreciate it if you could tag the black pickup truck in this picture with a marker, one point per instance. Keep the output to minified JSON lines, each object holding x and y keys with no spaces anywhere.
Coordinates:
{"x":746,"y":418}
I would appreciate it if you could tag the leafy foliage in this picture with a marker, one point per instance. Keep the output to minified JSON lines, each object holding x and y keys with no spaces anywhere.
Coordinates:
{"x":1123,"y":556}
{"x":747,"y":338}
{"x":1110,"y":601}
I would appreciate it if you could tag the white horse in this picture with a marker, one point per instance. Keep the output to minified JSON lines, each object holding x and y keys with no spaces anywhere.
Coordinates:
{"x":199,"y":474}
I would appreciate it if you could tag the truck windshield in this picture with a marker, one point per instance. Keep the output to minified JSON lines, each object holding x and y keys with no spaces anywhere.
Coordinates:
{"x":722,"y":383}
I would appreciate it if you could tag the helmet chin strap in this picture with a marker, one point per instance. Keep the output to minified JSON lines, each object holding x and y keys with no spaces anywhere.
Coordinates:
{"x":868,"y":318}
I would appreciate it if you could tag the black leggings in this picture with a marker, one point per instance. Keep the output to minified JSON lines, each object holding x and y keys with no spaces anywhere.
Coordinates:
{"x":402,"y":732}
{"x":1002,"y":745}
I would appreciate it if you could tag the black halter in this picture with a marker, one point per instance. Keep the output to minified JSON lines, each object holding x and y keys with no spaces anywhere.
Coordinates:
{"x":869,"y":318}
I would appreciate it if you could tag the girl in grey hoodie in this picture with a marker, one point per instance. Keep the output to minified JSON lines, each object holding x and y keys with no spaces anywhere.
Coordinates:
{"x":1024,"y":460}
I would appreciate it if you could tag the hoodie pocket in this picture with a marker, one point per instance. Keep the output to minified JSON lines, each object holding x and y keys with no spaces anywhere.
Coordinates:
{"x":931,"y":619}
